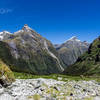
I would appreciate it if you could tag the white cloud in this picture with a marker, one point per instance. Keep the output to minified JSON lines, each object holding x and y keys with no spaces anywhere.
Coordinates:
{"x":5,"y":10}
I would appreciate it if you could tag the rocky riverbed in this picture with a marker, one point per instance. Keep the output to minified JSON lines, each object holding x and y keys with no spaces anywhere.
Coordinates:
{"x":50,"y":89}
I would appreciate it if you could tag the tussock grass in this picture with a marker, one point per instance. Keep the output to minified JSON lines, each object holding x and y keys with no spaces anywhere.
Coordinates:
{"x":5,"y":71}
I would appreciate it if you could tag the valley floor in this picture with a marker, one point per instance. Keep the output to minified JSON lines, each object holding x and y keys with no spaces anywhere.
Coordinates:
{"x":51,"y":89}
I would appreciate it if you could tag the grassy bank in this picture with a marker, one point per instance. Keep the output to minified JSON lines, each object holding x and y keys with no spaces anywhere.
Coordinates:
{"x":55,"y":76}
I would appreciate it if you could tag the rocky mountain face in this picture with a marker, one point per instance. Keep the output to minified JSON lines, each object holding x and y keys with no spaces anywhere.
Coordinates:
{"x":88,"y":63}
{"x":71,"y":50}
{"x":27,"y":51}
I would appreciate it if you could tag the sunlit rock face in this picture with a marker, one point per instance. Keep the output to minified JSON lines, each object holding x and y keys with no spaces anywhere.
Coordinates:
{"x":71,"y":50}
{"x":30,"y":52}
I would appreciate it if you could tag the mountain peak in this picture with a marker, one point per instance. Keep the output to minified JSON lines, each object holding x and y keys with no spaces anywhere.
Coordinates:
{"x":26,"y":28}
{"x":74,"y":38}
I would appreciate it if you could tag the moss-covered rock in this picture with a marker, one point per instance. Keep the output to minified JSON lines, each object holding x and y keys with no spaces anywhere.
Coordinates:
{"x":6,"y":75}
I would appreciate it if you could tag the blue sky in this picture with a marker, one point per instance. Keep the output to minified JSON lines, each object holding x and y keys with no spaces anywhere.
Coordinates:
{"x":57,"y":20}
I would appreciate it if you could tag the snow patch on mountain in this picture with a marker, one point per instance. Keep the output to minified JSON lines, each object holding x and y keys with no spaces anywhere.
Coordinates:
{"x":74,"y":38}
{"x":3,"y":34}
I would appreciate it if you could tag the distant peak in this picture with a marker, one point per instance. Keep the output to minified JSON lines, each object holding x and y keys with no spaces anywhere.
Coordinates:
{"x":85,"y":41}
{"x":74,"y":38}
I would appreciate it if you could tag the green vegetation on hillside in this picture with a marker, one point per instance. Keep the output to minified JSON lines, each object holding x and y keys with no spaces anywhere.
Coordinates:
{"x":88,"y":63}
{"x":6,"y":72}
{"x":54,"y":76}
